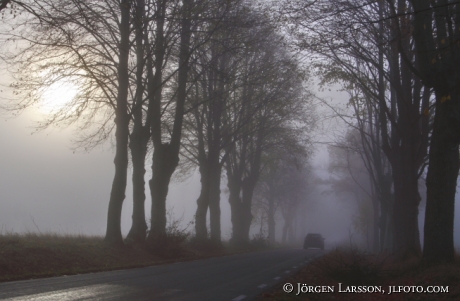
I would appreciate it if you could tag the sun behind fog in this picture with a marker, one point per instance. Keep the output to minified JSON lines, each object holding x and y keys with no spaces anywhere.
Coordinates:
{"x":57,"y":96}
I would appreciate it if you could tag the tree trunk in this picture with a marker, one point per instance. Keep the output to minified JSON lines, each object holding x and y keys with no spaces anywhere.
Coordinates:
{"x":214,"y":202}
{"x":138,"y":230}
{"x":163,"y":165}
{"x":441,"y":183}
{"x":235,"y":207}
{"x":201,"y":231}
{"x":291,"y":236}
{"x":389,"y":228}
{"x":241,"y":219}
{"x":433,"y":25}
{"x":139,"y":136}
{"x":246,"y":214}
{"x":117,"y":195}
{"x":271,"y":220}
{"x":214,"y":150}
{"x":375,"y":225}
{"x":234,"y":188}
{"x":406,"y":239}
{"x":166,"y":155}
{"x":285,"y":232}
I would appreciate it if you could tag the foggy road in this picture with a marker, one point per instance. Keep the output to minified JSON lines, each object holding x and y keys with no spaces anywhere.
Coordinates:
{"x":236,"y":277}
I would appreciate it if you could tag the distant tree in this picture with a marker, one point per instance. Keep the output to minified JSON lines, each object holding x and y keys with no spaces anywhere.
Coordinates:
{"x":265,"y":197}
{"x":352,"y":176}
{"x":206,"y":138}
{"x":278,"y":124}
{"x":283,"y":188}
{"x":246,"y":88}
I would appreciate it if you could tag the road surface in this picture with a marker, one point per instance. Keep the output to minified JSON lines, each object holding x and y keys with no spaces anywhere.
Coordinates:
{"x":238,"y":277}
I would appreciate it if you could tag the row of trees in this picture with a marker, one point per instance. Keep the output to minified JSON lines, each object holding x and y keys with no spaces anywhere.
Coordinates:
{"x":284,"y":188}
{"x":147,"y":68}
{"x":206,"y":81}
{"x":396,"y":59}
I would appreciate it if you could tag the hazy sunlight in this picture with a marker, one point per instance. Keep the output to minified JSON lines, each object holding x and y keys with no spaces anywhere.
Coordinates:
{"x":56,"y":96}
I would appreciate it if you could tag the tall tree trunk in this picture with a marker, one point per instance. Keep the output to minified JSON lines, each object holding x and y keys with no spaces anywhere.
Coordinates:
{"x":271,"y":220}
{"x":404,"y":148}
{"x":117,"y":195}
{"x":214,"y":202}
{"x":436,"y":28}
{"x":389,"y":228}
{"x":214,"y":147}
{"x":139,"y":136}
{"x":246,"y":206}
{"x":201,"y":231}
{"x":441,"y":183}
{"x":250,"y":182}
{"x":375,"y":225}
{"x":138,"y":229}
{"x":284,"y":233}
{"x":291,"y":235}
{"x":166,"y":155}
{"x":234,"y":188}
{"x":405,"y":214}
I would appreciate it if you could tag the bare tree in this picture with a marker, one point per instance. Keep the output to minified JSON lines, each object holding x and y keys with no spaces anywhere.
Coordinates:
{"x":273,"y":128}
{"x":216,"y":95}
{"x":117,"y":195}
{"x":166,"y":154}
{"x":155,"y":41}
{"x":87,"y":44}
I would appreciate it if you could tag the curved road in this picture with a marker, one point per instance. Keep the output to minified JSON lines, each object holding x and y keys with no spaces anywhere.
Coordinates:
{"x":238,"y":277}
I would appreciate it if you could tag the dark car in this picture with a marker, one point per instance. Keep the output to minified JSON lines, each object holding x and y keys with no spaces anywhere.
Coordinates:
{"x":314,"y":240}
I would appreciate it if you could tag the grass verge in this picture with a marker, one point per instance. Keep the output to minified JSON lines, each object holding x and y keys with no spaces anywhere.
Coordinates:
{"x":31,"y":255}
{"x":353,"y":268}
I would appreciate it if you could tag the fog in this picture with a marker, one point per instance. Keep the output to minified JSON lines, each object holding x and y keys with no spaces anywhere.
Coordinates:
{"x":45,"y":186}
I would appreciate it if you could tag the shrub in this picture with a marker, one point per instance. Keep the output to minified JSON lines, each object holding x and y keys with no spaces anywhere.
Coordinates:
{"x":173,"y":243}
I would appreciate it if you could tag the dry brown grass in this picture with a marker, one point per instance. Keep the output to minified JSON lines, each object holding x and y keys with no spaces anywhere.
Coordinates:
{"x":31,"y":255}
{"x":356,"y":268}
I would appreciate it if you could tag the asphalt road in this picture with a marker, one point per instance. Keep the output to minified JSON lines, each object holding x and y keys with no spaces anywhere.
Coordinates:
{"x":230,"y":278}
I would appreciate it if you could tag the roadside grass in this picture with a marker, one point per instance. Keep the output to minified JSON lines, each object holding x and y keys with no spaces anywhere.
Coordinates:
{"x":40,"y":255}
{"x":354,"y":268}
{"x":31,"y":255}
